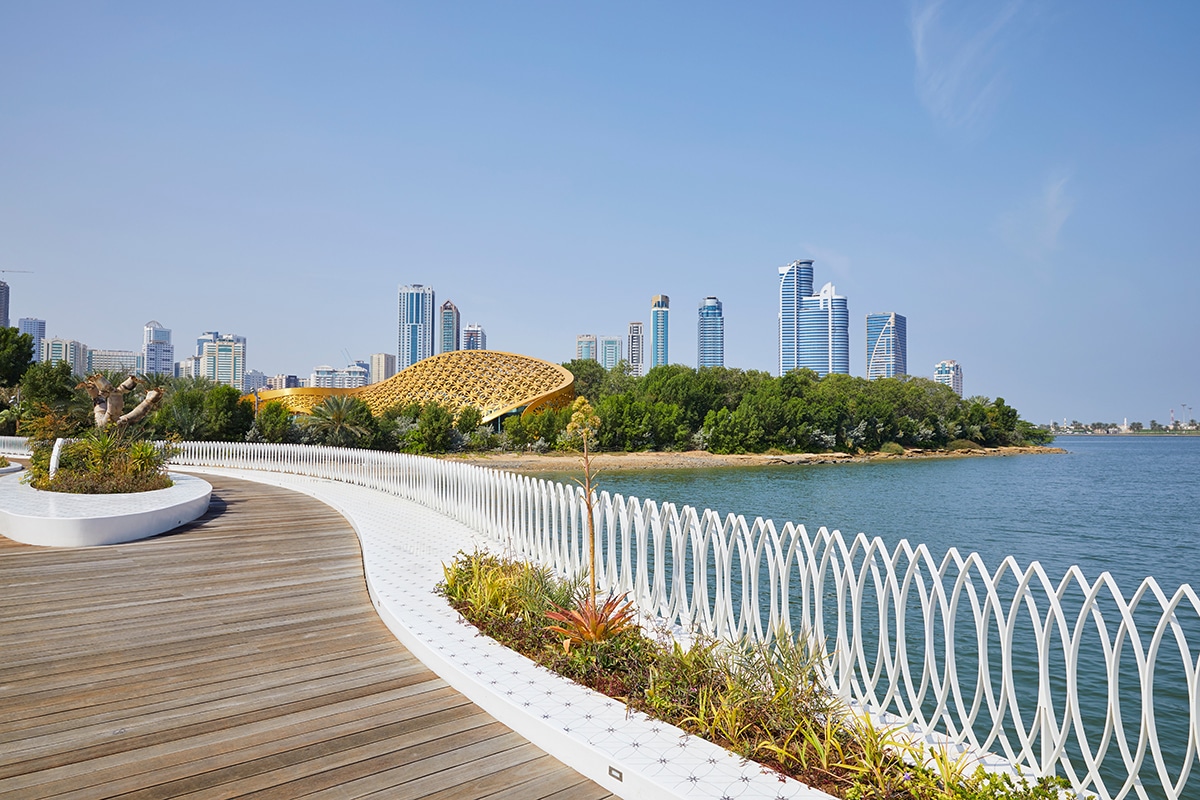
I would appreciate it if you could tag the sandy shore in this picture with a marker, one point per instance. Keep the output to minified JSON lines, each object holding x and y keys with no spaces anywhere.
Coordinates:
{"x":698,"y":459}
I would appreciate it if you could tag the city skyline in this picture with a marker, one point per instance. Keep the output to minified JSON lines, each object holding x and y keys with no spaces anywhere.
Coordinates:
{"x":961,"y":163}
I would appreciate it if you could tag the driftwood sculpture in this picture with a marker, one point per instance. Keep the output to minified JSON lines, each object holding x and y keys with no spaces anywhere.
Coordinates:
{"x":108,"y":401}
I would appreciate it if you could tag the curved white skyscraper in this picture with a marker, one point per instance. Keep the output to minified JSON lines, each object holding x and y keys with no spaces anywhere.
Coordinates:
{"x":795,"y":283}
{"x":887,"y":345}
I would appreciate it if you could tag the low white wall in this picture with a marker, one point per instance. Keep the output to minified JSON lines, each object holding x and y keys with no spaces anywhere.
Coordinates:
{"x":57,"y":519}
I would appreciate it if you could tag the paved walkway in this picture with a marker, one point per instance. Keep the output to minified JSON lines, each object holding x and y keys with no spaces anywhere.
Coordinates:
{"x":238,"y":655}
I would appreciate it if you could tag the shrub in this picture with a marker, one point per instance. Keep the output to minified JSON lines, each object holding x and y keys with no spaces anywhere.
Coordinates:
{"x":891,"y":449}
{"x":963,"y":444}
{"x":109,"y":461}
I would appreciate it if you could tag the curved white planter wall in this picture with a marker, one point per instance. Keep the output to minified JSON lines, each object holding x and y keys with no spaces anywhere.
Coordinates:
{"x":56,"y":519}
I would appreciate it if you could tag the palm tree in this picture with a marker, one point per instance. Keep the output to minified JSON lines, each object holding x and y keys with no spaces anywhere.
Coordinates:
{"x":340,"y":421}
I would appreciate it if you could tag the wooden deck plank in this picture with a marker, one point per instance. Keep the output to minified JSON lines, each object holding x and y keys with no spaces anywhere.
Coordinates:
{"x":240,"y":654}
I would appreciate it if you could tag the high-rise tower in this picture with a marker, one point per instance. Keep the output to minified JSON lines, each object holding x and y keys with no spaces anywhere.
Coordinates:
{"x":382,"y":367}
{"x":585,"y":347}
{"x":795,"y":283}
{"x":637,"y":348}
{"x":158,"y":354}
{"x":824,"y":333}
{"x":451,"y":329}
{"x":710,"y":334}
{"x":660,"y":309}
{"x":949,"y":373}
{"x":3,"y":304}
{"x":608,"y":351}
{"x":36,"y":328}
{"x":887,"y":345}
{"x":415,"y":339}
{"x":221,"y":357}
{"x":474,"y":337}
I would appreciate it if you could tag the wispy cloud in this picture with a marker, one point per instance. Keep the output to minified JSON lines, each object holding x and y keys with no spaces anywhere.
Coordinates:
{"x":825,"y":258}
{"x":958,"y":49}
{"x":1033,"y":229}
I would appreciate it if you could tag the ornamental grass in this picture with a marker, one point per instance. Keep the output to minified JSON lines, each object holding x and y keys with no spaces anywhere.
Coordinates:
{"x":766,"y":703}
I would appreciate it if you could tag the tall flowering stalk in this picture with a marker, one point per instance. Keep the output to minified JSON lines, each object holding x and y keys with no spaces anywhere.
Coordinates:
{"x":583,"y":425}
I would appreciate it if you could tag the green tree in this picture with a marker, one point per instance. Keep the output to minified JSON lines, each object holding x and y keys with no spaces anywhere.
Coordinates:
{"x":589,"y":376}
{"x":50,"y":384}
{"x":469,"y":418}
{"x":16,"y":354}
{"x":182,"y":415}
{"x":227,"y":417}
{"x":273,"y":424}
{"x":340,"y":421}
{"x":435,"y":429}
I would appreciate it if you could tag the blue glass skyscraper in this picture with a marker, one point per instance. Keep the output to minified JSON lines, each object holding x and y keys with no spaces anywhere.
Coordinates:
{"x":795,"y":283}
{"x":710,"y":331}
{"x":824,"y":333}
{"x":887,"y":345}
{"x":814,"y":329}
{"x":415,"y":339}
{"x":660,"y":307}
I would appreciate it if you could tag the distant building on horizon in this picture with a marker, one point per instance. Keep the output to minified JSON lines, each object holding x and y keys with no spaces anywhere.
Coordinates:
{"x":36,"y":328}
{"x":474,"y":337}
{"x":887,"y":345}
{"x":126,"y":361}
{"x":383,"y":366}
{"x":415,"y":324}
{"x":3,"y":305}
{"x":949,"y":373}
{"x":585,"y":347}
{"x":814,"y":329}
{"x":608,"y":349}
{"x":710,"y":334}
{"x":253,"y":380}
{"x":282,"y":381}
{"x":327,"y":377}
{"x":221,"y":357}
{"x":636,"y":354}
{"x":660,"y":311}
{"x":451,"y":334}
{"x":158,"y":354}
{"x":69,"y":350}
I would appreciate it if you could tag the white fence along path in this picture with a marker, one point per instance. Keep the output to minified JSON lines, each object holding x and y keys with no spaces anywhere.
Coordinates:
{"x":1069,"y":674}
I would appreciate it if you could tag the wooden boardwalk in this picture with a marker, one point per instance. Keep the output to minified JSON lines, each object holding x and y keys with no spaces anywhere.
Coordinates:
{"x":237,"y":656}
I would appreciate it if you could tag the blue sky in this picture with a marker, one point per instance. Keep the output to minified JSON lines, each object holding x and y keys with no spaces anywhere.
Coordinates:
{"x":1019,"y":179}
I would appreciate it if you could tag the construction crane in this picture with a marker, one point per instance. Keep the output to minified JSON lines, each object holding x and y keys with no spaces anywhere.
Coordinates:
{"x":17,"y":270}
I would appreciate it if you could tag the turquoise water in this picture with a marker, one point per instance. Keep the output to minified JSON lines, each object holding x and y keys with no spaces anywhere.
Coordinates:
{"x":1122,"y":505}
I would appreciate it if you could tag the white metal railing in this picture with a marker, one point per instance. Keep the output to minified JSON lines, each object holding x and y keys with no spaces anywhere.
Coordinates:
{"x":14,"y":446}
{"x":1068,"y":675}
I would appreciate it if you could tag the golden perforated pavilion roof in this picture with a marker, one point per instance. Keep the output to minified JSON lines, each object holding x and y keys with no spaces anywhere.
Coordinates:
{"x":494,"y":382}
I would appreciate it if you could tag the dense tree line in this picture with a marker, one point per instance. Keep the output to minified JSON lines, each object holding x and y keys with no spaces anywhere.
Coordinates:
{"x":738,"y":411}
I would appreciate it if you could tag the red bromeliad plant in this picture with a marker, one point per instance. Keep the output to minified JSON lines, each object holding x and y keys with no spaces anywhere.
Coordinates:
{"x":589,"y":623}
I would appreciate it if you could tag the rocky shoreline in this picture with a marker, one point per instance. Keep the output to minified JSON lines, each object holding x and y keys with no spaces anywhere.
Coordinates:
{"x":699,"y":459}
